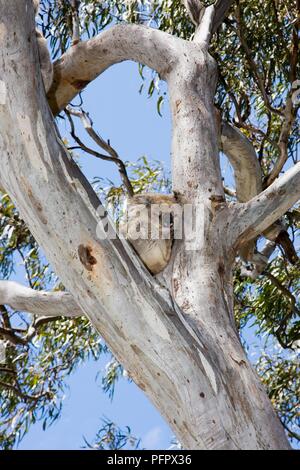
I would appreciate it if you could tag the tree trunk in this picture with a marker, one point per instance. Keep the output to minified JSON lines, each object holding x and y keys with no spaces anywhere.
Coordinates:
{"x":180,"y":345}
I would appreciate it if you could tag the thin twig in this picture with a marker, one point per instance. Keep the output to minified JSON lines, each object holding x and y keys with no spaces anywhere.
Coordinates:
{"x":113,"y":155}
{"x":7,"y":370}
{"x":17,"y":390}
{"x":75,"y":22}
{"x":292,"y":434}
{"x":252,"y":64}
{"x":282,"y":289}
{"x":12,"y":337}
{"x":230,"y":192}
{"x":241,"y":124}
{"x":5,"y":317}
{"x":290,"y":111}
{"x":33,"y":329}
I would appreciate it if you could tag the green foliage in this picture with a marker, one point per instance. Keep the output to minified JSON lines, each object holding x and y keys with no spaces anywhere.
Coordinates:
{"x":32,"y":381}
{"x":280,"y":376}
{"x":112,"y":437}
{"x":144,"y":176}
{"x":271,"y":302}
{"x":276,"y":303}
{"x":114,"y":371}
{"x":14,"y":236}
{"x":257,"y":51}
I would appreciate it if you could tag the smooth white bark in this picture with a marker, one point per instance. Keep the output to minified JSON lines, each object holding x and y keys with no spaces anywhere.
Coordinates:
{"x":85,"y":61}
{"x":40,"y":303}
{"x":204,"y":31}
{"x":243,"y":158}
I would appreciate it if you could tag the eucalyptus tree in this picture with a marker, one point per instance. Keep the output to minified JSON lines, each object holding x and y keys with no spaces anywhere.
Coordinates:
{"x":231,"y":70}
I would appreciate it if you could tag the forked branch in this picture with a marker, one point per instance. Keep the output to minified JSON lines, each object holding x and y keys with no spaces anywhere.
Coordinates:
{"x":248,"y":178}
{"x":207,"y":19}
{"x":196,"y":10}
{"x":254,"y":217}
{"x":113,"y":154}
{"x":82,"y":64}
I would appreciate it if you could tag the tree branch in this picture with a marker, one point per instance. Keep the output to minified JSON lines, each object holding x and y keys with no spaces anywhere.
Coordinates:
{"x":10,"y":336}
{"x":16,"y":389}
{"x":254,"y":217}
{"x":196,"y":11}
{"x":290,"y":111}
{"x":248,"y":181}
{"x":261,"y":260}
{"x":221,"y":11}
{"x":204,"y":31}
{"x":285,"y":291}
{"x":243,"y":158}
{"x":75,"y":22}
{"x":289,"y":117}
{"x":41,"y":303}
{"x":254,"y":68}
{"x":87,"y":60}
{"x":136,"y":315}
{"x":113,"y":155}
{"x":248,"y":177}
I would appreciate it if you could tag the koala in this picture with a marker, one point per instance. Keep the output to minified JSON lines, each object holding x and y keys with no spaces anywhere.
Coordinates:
{"x":44,"y":56}
{"x":149,"y":228}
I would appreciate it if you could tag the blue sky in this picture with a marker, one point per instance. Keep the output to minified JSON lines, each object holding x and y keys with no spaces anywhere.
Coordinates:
{"x":85,"y":404}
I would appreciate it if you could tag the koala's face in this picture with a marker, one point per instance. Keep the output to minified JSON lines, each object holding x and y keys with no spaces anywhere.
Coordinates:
{"x":150,"y":217}
{"x":149,"y":228}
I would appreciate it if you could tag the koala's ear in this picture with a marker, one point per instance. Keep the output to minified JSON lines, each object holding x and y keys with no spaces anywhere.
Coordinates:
{"x":36,"y":6}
